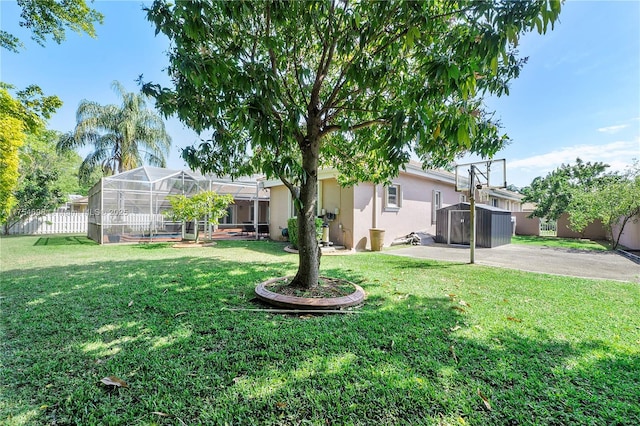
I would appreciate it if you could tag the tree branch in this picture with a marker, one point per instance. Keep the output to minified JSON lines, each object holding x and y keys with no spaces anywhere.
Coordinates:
{"x":364,"y":124}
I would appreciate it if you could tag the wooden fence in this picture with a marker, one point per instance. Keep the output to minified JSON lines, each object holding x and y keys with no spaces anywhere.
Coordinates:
{"x":52,"y":223}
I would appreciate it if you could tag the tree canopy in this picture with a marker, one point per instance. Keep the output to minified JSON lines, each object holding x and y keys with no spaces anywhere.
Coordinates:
{"x":20,"y":116}
{"x":552,"y":194}
{"x":123,"y":137}
{"x":207,"y":204}
{"x":287,"y":87}
{"x":615,"y":202}
{"x":52,"y":18}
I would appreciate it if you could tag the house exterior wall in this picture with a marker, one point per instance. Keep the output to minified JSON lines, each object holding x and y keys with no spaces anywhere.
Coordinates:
{"x":594,"y":231}
{"x":631,"y":234}
{"x":414,"y":214}
{"x":357,"y":205}
{"x":526,"y":225}
{"x":279,"y":202}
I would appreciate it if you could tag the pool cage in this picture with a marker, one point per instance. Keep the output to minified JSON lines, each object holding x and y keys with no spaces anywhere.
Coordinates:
{"x":129,"y":207}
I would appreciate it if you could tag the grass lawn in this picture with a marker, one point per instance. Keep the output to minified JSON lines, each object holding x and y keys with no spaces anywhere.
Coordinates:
{"x":569,"y":243}
{"x":435,"y":343}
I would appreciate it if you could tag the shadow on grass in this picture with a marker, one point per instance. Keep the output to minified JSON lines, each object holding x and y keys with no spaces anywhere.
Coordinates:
{"x":273,"y":248}
{"x":160,"y":326}
{"x":68,"y":240}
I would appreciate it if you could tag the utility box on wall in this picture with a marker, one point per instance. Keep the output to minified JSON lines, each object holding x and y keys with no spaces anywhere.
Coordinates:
{"x":493,"y":225}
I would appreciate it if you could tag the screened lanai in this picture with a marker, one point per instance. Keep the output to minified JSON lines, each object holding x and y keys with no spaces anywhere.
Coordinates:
{"x":129,"y":207}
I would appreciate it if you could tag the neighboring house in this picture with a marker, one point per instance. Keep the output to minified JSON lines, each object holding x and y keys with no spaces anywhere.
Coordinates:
{"x":76,"y":204}
{"x":408,"y":204}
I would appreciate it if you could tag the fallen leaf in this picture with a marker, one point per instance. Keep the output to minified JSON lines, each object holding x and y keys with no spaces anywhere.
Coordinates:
{"x":179,"y":314}
{"x":462,"y":421}
{"x":485,"y":400}
{"x":451,"y":295}
{"x":453,"y":353}
{"x":463,"y":303}
{"x":514,"y":319}
{"x":505,"y":300}
{"x":456,"y":328}
{"x":458,"y":308}
{"x":130,"y":304}
{"x":281,"y":405}
{"x":161,"y":414}
{"x":114,"y":381}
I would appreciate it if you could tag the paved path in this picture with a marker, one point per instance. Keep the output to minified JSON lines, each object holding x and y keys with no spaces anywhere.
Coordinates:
{"x":548,"y":260}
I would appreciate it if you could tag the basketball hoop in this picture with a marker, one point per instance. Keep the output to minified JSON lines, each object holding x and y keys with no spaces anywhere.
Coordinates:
{"x":481,"y":177}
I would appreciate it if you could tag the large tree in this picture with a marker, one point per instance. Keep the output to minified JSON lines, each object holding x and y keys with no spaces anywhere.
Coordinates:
{"x":288,"y":87}
{"x":552,"y":194}
{"x":20,"y":116}
{"x":52,"y":18}
{"x":615,"y":202}
{"x":123,"y":137}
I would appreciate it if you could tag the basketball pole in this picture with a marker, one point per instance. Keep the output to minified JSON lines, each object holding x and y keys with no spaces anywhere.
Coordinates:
{"x":472,"y":214}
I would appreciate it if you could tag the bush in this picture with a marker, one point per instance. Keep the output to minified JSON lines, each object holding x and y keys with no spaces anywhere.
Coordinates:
{"x":292,"y":225}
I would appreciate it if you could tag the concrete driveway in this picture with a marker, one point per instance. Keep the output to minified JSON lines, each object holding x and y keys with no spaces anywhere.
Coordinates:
{"x":576,"y":263}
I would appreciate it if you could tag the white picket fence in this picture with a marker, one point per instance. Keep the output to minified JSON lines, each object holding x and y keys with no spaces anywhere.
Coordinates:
{"x":52,"y":223}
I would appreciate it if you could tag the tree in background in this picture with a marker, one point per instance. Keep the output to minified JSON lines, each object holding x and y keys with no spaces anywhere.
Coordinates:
{"x":52,"y":18}
{"x":206,"y":204}
{"x":123,"y":137}
{"x":614,"y":202}
{"x":553,"y":193}
{"x":20,"y":116}
{"x":288,"y":87}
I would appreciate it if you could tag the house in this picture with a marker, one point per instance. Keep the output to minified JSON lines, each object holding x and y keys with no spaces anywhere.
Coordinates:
{"x":408,"y":204}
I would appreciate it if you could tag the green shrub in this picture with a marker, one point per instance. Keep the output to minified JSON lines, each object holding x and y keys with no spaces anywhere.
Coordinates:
{"x":292,"y":226}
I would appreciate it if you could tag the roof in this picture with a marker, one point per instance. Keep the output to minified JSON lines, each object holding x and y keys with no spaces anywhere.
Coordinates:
{"x":478,"y":207}
{"x":153,"y":174}
{"x":243,"y":188}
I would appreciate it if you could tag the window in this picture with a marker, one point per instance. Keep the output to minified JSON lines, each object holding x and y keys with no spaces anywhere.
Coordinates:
{"x":494,"y":202}
{"x":392,"y":198}
{"x":436,"y":203}
{"x":463,"y":198}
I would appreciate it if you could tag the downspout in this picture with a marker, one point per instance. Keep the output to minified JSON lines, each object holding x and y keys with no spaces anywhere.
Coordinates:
{"x":374,"y":215}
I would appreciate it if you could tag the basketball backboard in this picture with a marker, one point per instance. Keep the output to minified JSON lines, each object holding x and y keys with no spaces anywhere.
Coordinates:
{"x":486,"y":174}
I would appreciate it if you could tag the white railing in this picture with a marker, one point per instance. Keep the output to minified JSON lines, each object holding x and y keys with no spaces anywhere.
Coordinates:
{"x":52,"y":223}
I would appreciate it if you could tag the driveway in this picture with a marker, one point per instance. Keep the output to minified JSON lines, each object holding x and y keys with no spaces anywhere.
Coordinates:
{"x":576,"y":263}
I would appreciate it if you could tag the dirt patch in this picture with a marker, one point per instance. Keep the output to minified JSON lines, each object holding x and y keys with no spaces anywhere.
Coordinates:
{"x":327,"y":288}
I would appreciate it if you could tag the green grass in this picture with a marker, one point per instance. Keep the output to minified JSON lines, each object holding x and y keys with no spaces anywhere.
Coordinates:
{"x":568,"y":243}
{"x":542,"y":349}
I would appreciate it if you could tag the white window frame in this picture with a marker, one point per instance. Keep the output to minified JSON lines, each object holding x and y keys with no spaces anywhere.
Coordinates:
{"x":463,"y":198}
{"x":495,"y":202}
{"x":436,"y":203}
{"x":393,"y":206}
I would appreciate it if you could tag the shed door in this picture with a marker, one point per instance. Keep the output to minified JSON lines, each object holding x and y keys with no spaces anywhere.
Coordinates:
{"x":460,"y":226}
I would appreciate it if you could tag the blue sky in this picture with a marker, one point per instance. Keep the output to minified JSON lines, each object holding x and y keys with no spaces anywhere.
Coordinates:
{"x":579,"y":94}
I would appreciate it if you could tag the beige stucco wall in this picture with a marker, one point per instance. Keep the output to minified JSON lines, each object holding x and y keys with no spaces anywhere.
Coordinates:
{"x":631,"y":234}
{"x":594,"y":231}
{"x":415,"y":213}
{"x":278,"y":211}
{"x":525,"y":225}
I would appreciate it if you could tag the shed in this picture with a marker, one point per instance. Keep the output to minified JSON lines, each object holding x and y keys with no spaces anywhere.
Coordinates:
{"x":493,"y":225}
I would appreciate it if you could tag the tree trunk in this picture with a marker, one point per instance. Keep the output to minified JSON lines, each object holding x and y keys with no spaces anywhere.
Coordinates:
{"x":309,"y":252}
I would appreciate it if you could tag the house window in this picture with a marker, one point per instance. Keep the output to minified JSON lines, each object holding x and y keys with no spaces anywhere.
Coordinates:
{"x":392,"y":198}
{"x":494,"y":202}
{"x":463,"y":198}
{"x":436,"y":203}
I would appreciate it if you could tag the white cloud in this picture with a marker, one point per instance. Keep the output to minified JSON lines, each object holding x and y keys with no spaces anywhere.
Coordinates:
{"x":618,"y":155}
{"x":613,"y":129}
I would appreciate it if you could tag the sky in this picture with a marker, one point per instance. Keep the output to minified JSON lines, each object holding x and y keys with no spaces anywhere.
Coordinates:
{"x":578,"y":95}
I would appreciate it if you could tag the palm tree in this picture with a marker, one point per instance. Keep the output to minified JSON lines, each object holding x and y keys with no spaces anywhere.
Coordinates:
{"x":123,"y":137}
